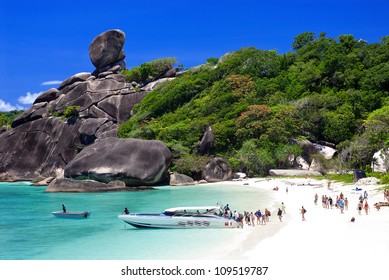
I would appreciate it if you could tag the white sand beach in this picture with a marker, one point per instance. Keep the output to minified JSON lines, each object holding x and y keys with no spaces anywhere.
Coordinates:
{"x":327,"y":244}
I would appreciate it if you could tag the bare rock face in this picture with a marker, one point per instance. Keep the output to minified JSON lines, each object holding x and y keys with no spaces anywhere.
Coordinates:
{"x":37,"y":149}
{"x":207,"y":142}
{"x":217,"y":170}
{"x":106,"y":49}
{"x":43,"y":140}
{"x":132,"y":161}
{"x":177,"y":179}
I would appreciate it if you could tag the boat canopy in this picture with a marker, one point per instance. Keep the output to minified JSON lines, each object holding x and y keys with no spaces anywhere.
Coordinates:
{"x":194,"y":209}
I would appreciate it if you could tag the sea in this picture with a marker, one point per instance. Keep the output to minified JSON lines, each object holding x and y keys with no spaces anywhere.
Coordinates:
{"x":28,"y":230}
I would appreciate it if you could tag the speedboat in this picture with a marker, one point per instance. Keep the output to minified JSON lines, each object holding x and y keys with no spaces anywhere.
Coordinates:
{"x":182,"y":217}
{"x":71,"y":215}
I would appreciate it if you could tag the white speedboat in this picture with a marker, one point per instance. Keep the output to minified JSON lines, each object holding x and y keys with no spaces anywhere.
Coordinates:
{"x":71,"y":215}
{"x":182,"y":217}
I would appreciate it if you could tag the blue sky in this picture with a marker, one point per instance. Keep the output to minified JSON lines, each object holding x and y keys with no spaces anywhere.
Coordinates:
{"x":44,"y":42}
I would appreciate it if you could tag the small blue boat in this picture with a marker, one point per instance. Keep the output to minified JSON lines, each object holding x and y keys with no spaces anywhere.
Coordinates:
{"x":71,"y":215}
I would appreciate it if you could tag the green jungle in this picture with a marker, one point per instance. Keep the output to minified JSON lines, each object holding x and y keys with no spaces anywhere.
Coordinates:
{"x":259,"y":104}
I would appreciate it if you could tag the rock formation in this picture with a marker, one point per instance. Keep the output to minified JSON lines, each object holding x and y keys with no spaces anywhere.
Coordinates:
{"x":132,"y":161}
{"x":106,"y":50}
{"x":217,"y":170}
{"x":44,"y":139}
{"x":177,"y":179}
{"x":207,"y":142}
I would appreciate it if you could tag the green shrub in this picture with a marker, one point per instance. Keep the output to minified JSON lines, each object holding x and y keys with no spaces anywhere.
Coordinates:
{"x":71,"y":112}
{"x":385,"y":179}
{"x":149,"y":70}
{"x":190,"y":165}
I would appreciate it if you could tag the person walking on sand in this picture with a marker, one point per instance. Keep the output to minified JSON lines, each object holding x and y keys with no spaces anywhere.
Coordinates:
{"x":359,"y":207}
{"x":267,"y":215}
{"x":346,"y":203}
{"x":303,"y":211}
{"x":367,"y":208}
{"x":341,"y":205}
{"x":252,"y":217}
{"x":283,"y":208}
{"x":316,"y":198}
{"x":279,"y":214}
{"x":365,"y":195}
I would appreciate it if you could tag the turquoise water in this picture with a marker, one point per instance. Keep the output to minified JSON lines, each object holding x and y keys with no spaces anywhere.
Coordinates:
{"x":28,"y":230}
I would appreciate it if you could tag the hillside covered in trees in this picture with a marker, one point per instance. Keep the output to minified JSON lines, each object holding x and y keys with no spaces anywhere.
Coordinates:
{"x":259,"y":104}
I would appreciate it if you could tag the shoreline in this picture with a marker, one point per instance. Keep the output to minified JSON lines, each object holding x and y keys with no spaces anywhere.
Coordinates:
{"x":327,"y":241}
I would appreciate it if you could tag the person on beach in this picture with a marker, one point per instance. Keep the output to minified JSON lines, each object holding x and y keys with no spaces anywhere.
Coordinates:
{"x":63,"y":208}
{"x":359,"y":207}
{"x":240,"y":220}
{"x":279,"y":214}
{"x":341,"y":205}
{"x":267,"y":215}
{"x":302,"y":212}
{"x":263,"y":219}
{"x":316,"y":198}
{"x":287,"y":190}
{"x":346,"y":203}
{"x":126,"y":211}
{"x":283,"y":208}
{"x":258,"y":214}
{"x":365,"y":195}
{"x":367,"y":208}
{"x":252,"y":217}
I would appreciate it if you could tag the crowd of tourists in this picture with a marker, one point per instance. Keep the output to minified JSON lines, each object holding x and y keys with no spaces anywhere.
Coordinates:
{"x":252,"y":218}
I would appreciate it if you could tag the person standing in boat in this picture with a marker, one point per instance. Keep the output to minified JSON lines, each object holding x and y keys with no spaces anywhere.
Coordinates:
{"x":63,"y":208}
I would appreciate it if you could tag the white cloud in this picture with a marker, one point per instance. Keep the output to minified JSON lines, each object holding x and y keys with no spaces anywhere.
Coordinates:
{"x":48,"y":83}
{"x":29,"y":98}
{"x":6,"y":107}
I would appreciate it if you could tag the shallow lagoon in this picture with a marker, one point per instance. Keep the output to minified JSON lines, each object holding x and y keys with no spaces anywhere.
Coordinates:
{"x":28,"y":230}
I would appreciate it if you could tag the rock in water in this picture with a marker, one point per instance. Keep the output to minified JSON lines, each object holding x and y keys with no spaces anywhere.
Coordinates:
{"x":133,"y":161}
{"x":177,"y":179}
{"x":106,"y":48}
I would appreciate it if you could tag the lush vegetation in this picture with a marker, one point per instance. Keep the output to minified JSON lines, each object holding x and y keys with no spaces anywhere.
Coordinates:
{"x":150,"y":70}
{"x":260,"y":103}
{"x":6,"y":118}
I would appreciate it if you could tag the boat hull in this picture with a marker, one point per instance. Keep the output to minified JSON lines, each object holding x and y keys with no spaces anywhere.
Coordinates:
{"x":71,"y":215}
{"x":164,"y":221}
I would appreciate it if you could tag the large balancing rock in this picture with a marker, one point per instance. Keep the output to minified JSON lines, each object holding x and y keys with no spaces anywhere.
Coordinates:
{"x":133,"y":161}
{"x":106,"y":48}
